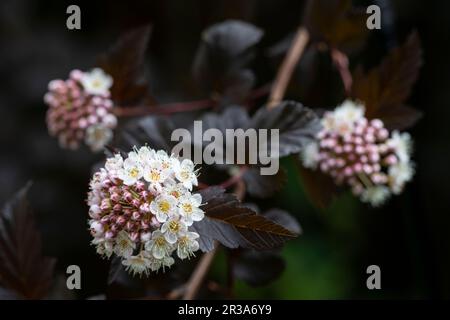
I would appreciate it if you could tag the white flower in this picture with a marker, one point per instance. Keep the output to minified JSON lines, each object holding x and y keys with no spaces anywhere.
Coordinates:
{"x":172,"y":228}
{"x":189,"y":208}
{"x":137,"y":264}
{"x":184,"y":172}
{"x":310,"y":155}
{"x":145,"y":155}
{"x":94,"y":211}
{"x":402,"y":145}
{"x":168,"y":163}
{"x":96,"y":229}
{"x":187,"y":244}
{"x":158,"y":245}
{"x":104,"y":247}
{"x":399,"y":174}
{"x":163,"y":206}
{"x":349,"y":111}
{"x":376,"y":196}
{"x":156,"y":264}
{"x":114,"y":164}
{"x":132,"y":170}
{"x":124,"y":246}
{"x":342,"y":120}
{"x":154,"y":172}
{"x":96,"y":82}
{"x":97,"y":136}
{"x":175,"y":189}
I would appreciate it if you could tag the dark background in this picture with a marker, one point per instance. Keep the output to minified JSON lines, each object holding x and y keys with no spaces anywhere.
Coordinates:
{"x":408,"y":238}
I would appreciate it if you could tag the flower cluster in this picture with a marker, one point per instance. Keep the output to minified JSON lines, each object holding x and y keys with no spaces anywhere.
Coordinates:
{"x":361,"y":153}
{"x":141,"y":208}
{"x":80,"y":109}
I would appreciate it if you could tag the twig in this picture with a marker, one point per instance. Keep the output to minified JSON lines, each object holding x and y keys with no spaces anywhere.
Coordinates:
{"x":195,"y":281}
{"x":197,"y":277}
{"x":170,"y":108}
{"x":164,"y":109}
{"x":287,"y":67}
{"x":340,"y":60}
{"x":234,"y":179}
{"x":230,"y":274}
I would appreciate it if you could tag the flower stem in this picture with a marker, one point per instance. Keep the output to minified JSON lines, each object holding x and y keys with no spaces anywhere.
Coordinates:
{"x":365,"y":180}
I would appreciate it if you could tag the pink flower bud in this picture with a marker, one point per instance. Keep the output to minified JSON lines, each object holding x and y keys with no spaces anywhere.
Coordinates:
{"x":109,"y":234}
{"x":357,"y":140}
{"x":348,"y":148}
{"x":367,"y":169}
{"x":128,"y":196}
{"x":105,"y":205}
{"x":338,"y":149}
{"x":136,"y":215}
{"x":374,"y":157}
{"x":129,"y":226}
{"x":331,"y":162}
{"x":140,"y":186}
{"x":348,"y":171}
{"x":369,"y":137}
{"x":370,"y":131}
{"x":106,"y":183}
{"x":382,"y":134}
{"x":376,"y":123}
{"x":340,"y":162}
{"x":121,"y":220}
{"x":390,"y":160}
{"x":136,"y":203}
{"x":115,"y":197}
{"x":145,"y":207}
{"x":76,"y":75}
{"x":134,"y":236}
{"x":358,"y":167}
{"x":360,"y":150}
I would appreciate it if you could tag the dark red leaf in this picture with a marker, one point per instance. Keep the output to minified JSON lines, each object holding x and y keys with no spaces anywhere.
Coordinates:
{"x":385,"y":88}
{"x":233,"y":225}
{"x":125,"y":63}
{"x":23,"y":269}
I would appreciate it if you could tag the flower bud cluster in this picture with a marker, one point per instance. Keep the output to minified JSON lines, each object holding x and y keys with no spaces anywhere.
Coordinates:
{"x":141,"y":209}
{"x":80,"y":109}
{"x":361,"y":154}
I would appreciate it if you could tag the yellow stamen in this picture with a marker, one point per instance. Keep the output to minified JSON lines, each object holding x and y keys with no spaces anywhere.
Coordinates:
{"x":187,"y":207}
{"x":134,"y":172}
{"x":174,"y":226}
{"x":164,"y":206}
{"x":160,"y":241}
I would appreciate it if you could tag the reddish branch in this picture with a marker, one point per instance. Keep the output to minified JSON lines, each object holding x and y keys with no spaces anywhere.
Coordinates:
{"x":199,"y":274}
{"x":287,"y":67}
{"x":164,"y":108}
{"x":170,"y":108}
